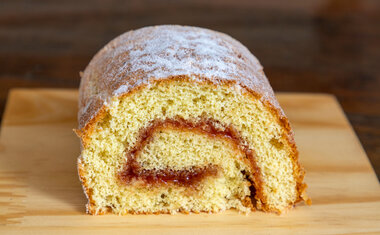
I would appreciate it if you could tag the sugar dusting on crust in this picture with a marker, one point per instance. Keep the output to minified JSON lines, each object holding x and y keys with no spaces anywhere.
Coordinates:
{"x":153,"y":53}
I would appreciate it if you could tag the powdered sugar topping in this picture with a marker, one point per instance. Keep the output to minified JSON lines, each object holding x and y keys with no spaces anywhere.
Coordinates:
{"x":142,"y":56}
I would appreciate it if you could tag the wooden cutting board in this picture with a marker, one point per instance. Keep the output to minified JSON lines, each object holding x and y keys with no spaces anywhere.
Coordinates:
{"x":40,"y":191}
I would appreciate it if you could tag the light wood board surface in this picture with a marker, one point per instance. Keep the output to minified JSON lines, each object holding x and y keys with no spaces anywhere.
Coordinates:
{"x":40,"y":191}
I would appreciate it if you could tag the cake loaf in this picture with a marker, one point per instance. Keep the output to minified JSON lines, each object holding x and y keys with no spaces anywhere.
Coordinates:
{"x":183,"y":119}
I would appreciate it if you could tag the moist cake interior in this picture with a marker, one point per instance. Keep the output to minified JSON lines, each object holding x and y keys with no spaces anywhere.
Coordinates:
{"x":181,"y":145}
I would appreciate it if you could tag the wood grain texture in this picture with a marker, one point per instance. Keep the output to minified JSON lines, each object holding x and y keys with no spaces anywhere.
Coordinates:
{"x":40,"y":190}
{"x":329,"y":46}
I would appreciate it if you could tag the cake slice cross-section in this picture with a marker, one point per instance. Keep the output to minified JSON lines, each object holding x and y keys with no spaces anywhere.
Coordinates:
{"x":183,"y":119}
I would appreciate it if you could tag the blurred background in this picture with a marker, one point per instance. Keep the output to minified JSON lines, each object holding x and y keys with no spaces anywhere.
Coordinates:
{"x":329,"y":46}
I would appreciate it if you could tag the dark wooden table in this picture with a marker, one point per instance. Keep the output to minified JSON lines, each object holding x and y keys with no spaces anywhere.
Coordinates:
{"x":305,"y":46}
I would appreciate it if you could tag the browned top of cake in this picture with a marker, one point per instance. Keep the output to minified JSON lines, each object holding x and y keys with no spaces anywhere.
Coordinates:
{"x":156,"y":53}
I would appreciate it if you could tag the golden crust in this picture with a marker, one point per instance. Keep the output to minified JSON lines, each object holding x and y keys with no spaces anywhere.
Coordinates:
{"x":90,"y":207}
